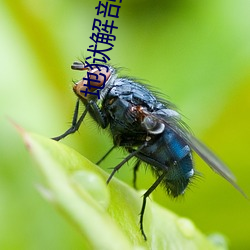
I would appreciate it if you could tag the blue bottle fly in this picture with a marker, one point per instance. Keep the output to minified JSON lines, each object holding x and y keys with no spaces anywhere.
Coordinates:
{"x":149,"y":128}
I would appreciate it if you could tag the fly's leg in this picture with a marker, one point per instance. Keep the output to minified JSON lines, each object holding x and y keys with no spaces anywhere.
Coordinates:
{"x":125,"y":160}
{"x":145,"y":196}
{"x":91,"y":107}
{"x":105,"y":155}
{"x":75,"y":124}
{"x":97,"y":114}
{"x":135,"y":169}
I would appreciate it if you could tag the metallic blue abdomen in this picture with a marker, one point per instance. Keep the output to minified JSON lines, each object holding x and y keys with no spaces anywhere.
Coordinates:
{"x":168,"y":153}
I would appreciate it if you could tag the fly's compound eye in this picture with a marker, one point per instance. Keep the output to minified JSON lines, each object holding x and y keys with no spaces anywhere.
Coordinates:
{"x":93,"y":82}
{"x":152,"y":125}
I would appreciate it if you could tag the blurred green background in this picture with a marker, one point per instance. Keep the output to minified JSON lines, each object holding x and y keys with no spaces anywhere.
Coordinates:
{"x":195,"y":52}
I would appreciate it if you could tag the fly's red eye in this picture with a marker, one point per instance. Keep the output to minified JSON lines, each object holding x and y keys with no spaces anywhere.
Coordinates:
{"x":95,"y":79}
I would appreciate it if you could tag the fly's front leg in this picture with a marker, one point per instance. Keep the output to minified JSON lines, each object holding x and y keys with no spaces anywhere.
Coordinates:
{"x":97,"y":114}
{"x":93,"y":109}
{"x":75,"y":124}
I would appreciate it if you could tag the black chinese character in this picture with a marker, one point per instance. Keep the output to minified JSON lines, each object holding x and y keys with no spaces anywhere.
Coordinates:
{"x":99,"y":7}
{"x":117,"y":10}
{"x":106,"y":26}
{"x":95,"y":50}
{"x":111,"y":27}
{"x":94,"y":24}
{"x":102,"y":38}
{"x":89,"y":80}
{"x":104,"y":11}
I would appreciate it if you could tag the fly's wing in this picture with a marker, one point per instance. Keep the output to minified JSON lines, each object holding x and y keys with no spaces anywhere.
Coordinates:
{"x":212,"y":160}
{"x":175,"y":124}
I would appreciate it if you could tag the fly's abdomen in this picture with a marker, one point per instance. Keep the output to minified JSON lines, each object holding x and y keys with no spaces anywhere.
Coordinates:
{"x":180,"y":166}
{"x":178,"y":176}
{"x":170,"y":155}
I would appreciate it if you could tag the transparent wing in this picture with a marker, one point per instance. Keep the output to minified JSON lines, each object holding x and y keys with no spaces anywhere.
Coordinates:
{"x":208,"y":156}
{"x":175,"y":124}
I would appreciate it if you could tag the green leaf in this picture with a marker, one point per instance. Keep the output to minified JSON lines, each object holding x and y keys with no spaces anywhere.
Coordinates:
{"x":106,"y":215}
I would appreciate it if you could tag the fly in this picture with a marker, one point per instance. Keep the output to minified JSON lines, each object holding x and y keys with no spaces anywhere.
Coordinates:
{"x":149,"y":128}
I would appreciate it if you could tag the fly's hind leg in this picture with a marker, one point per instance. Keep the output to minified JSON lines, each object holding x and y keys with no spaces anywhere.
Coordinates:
{"x":145,"y":196}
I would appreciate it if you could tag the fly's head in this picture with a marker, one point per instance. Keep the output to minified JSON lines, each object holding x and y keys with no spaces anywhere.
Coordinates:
{"x":96,"y":81}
